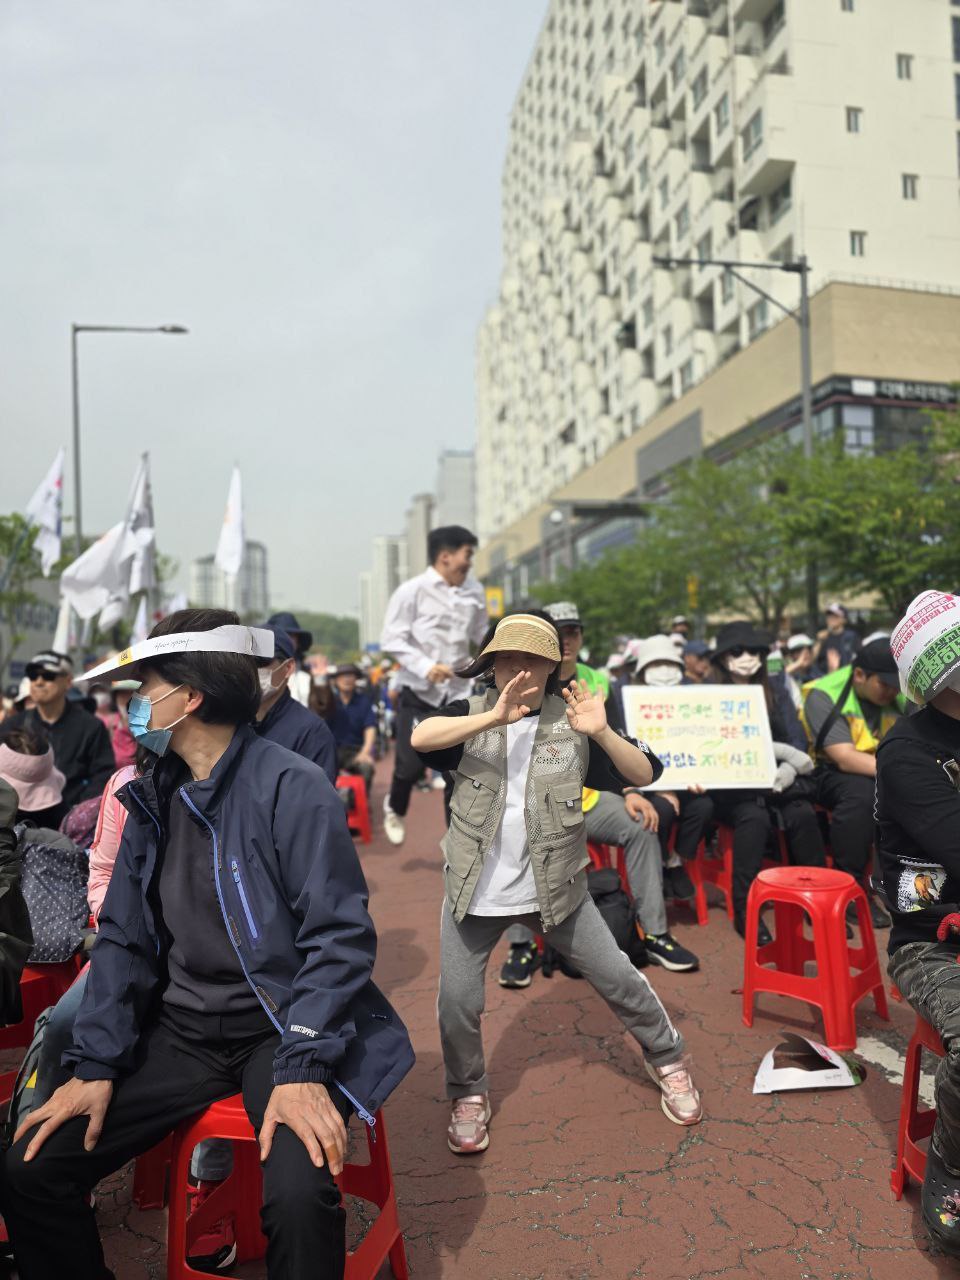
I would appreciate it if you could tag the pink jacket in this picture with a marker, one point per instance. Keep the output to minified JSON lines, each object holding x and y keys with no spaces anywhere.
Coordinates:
{"x":106,"y":843}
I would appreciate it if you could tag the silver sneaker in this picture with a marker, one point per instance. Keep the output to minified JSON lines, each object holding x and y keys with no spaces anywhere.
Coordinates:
{"x":679,"y":1097}
{"x":467,"y":1133}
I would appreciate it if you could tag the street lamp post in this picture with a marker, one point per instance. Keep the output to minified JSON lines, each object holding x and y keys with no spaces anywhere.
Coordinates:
{"x":76,"y":329}
{"x":801,"y":267}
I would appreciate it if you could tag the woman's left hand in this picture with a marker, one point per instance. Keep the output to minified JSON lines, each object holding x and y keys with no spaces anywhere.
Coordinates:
{"x":585,"y":711}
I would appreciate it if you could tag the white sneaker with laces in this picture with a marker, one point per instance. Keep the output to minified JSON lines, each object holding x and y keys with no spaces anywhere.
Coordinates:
{"x":394,"y":827}
{"x":679,"y":1099}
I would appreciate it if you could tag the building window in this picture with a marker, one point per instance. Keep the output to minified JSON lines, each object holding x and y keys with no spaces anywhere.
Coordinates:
{"x":858,"y":244}
{"x":647,"y":313}
{"x":721,"y":113}
{"x":699,"y":87}
{"x":631,"y":282}
{"x":683,"y":219}
{"x":757,"y":318}
{"x":667,"y":336}
{"x":780,"y":201}
{"x":956,"y":39}
{"x":909,"y":183}
{"x":846,"y":6}
{"x":854,"y":115}
{"x":660,"y":47}
{"x":904,"y":66}
{"x":752,"y":135}
{"x":956,"y":92}
{"x":686,"y":375}
{"x":705,"y":247}
{"x":677,"y":68}
{"x":858,"y":428}
{"x":772,"y":23}
{"x":726,"y":286}
{"x":628,"y":151}
{"x":643,"y":174}
{"x":663,"y":189}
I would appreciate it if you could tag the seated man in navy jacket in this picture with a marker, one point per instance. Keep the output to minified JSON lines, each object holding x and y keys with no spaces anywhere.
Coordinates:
{"x":354,"y":724}
{"x":281,"y":718}
{"x":234,"y":955}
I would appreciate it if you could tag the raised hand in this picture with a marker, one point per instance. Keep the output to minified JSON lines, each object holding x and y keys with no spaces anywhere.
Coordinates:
{"x":510,"y":705}
{"x":585,"y":711}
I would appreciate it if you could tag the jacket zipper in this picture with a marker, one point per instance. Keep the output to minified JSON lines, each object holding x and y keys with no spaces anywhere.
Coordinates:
{"x":361,"y":1110}
{"x":234,"y":867}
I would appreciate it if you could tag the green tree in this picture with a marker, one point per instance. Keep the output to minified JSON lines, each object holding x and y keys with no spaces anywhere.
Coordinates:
{"x":338,"y":637}
{"x":19,"y":566}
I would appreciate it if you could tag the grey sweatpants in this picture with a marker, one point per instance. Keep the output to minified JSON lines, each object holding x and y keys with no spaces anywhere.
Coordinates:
{"x":609,"y":823}
{"x":585,"y":940}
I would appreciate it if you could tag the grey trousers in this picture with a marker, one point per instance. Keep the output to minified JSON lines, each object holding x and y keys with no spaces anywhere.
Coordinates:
{"x":609,"y":823}
{"x":928,"y":976}
{"x":583,"y":938}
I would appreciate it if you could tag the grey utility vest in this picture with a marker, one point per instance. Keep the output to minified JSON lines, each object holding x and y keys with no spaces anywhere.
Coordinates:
{"x":556,"y":837}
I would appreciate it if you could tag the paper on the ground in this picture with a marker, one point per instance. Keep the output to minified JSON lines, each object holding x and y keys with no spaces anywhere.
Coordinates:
{"x":799,"y":1063}
{"x":717,"y":736}
{"x":255,"y":641}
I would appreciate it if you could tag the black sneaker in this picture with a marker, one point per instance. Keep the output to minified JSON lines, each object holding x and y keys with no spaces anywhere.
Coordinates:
{"x":664,"y":949}
{"x":521,"y":964}
{"x":676,"y":883}
{"x":940,"y":1205}
{"x":764,"y":936}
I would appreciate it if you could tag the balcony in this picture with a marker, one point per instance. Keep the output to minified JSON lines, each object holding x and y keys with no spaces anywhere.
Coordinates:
{"x":770,"y":157}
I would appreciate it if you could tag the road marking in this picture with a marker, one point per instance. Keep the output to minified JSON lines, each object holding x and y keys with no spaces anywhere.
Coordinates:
{"x":890,"y":1061}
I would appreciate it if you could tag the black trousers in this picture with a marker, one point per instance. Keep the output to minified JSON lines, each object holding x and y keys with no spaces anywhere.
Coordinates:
{"x":751,"y":815}
{"x":407,"y":765}
{"x":849,"y":797}
{"x":186,"y":1062}
{"x":696,"y":814}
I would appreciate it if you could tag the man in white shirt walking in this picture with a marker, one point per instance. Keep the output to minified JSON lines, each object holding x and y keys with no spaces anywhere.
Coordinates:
{"x":431,"y":622}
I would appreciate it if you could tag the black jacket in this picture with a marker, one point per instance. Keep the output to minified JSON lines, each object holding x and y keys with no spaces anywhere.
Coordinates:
{"x":81,"y":750}
{"x":294,"y":727}
{"x":294,"y":904}
{"x":16,"y":937}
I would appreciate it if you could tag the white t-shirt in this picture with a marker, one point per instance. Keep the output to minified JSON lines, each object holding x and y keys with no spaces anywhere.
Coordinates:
{"x":506,"y":886}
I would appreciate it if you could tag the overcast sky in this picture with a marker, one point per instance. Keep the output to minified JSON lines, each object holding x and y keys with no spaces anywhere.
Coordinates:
{"x":313,"y":188}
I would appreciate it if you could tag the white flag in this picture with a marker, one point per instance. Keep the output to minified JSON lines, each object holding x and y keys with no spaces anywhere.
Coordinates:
{"x":97,"y":578}
{"x":230,"y":548}
{"x":174,"y":603}
{"x":65,"y":638}
{"x":141,"y":626}
{"x":45,"y":510}
{"x":140,"y":537}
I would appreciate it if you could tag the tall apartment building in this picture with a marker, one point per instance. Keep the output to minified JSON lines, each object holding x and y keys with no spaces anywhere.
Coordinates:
{"x":389,"y":569}
{"x":248,"y":594}
{"x":747,"y":130}
{"x":418,"y":522}
{"x":456,"y":489}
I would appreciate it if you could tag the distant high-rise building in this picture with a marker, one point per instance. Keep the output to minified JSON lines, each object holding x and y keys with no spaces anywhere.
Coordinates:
{"x":248,"y":594}
{"x":389,"y":570}
{"x":369,"y":633}
{"x":455,"y":500}
{"x":419,"y":521}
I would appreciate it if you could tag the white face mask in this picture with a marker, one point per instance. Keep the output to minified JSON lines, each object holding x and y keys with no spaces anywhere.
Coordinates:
{"x":748,"y":664}
{"x":662,"y":674}
{"x":267,"y":687}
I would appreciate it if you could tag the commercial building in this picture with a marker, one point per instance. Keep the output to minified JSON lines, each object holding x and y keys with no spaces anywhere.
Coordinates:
{"x":27,"y":628}
{"x":389,"y":569}
{"x":741,"y":130}
{"x":248,"y":594}
{"x":455,"y":501}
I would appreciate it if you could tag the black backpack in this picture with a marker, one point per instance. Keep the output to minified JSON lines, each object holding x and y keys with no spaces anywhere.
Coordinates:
{"x":606,"y":889}
{"x":54,"y":885}
{"x":21,"y":1101}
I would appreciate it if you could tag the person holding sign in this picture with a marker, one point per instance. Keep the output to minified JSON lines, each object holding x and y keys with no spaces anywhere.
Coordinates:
{"x":740,"y":658}
{"x":516,"y":851}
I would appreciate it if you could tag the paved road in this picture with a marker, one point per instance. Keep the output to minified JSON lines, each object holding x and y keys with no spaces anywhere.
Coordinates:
{"x":585,"y":1178}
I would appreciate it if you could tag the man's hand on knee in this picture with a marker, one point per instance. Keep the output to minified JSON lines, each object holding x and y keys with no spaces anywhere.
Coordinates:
{"x":308,"y":1111}
{"x":75,"y":1098}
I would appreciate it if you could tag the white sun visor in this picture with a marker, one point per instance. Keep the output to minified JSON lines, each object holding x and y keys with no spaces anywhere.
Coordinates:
{"x":255,"y":642}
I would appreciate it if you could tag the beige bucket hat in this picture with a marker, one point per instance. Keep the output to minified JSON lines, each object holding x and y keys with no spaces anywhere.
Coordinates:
{"x":524,"y":633}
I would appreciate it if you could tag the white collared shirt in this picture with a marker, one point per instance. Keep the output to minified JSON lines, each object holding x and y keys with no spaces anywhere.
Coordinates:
{"x":430,"y":622}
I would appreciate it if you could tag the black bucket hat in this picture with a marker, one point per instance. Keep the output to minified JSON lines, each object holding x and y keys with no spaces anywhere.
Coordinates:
{"x":288,"y":623}
{"x":741,"y":635}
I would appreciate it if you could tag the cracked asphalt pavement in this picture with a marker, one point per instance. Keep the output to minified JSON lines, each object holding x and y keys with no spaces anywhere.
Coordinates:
{"x":585,"y":1177}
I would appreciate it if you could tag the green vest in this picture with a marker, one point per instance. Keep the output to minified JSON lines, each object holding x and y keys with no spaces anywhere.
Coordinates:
{"x":863,"y":737}
{"x":595,"y":679}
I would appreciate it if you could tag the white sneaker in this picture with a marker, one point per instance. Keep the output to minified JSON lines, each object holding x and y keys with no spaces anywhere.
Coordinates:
{"x":394,"y":826}
{"x":439,"y":783}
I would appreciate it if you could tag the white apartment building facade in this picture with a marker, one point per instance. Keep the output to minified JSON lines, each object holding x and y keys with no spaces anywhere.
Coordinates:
{"x":248,"y":593}
{"x":456,"y":489}
{"x":748,"y":130}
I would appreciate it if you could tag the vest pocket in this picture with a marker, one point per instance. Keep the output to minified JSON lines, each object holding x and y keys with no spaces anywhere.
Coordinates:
{"x":474,"y":793}
{"x":560,"y":805}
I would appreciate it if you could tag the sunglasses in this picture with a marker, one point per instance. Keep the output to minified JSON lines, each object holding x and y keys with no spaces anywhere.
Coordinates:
{"x":39,"y":673}
{"x":739,"y":650}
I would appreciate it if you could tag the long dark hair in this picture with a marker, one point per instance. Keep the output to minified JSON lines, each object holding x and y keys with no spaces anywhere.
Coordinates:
{"x":483,"y":666}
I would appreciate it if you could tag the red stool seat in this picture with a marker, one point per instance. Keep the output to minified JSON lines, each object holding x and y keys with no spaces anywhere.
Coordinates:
{"x":915,"y":1125}
{"x":821,"y":895}
{"x":241,"y":1195}
{"x":358,"y":815}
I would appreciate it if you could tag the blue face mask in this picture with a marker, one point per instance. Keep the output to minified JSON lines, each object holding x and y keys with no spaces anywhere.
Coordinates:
{"x":138,"y":720}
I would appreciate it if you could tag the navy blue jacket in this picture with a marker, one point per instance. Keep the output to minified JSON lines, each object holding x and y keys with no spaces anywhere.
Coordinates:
{"x":294,"y":903}
{"x":294,"y":727}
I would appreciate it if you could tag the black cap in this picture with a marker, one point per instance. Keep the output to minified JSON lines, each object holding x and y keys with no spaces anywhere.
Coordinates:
{"x":283,"y":646}
{"x":741,"y":635}
{"x":876,"y":659}
{"x":288,"y":623}
{"x":347,"y":669}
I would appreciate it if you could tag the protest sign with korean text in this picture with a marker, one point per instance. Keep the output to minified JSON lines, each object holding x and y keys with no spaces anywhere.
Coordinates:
{"x":715,"y":736}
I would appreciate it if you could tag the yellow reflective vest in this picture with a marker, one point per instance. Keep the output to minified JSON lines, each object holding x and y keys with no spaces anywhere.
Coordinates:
{"x":839,"y":685}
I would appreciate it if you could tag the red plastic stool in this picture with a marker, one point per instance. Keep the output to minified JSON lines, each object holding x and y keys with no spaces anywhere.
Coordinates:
{"x":823,"y":896}
{"x":40,"y":986}
{"x":717,"y":871}
{"x":150,"y":1176}
{"x":358,"y":815}
{"x":915,"y":1125}
{"x":241,"y":1195}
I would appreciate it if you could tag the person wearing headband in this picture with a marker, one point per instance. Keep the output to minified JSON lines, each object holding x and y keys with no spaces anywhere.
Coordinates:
{"x":516,"y":852}
{"x":918,"y":818}
{"x":234,"y":954}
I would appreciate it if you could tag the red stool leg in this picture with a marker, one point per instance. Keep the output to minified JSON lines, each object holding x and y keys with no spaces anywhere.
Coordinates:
{"x":150,"y":1176}
{"x":700,"y":893}
{"x":750,"y":958}
{"x":900,"y":1177}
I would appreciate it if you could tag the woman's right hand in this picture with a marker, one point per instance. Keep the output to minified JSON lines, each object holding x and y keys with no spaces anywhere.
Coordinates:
{"x":510,"y":705}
